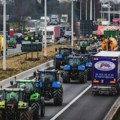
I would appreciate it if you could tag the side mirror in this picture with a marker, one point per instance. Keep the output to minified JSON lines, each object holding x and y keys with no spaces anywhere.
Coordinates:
{"x":34,"y":74}
{"x":11,"y":83}
{"x":55,"y":49}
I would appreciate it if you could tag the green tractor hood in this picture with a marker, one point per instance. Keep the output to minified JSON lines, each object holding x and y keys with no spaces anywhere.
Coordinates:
{"x":34,"y":97}
{"x":2,"y":104}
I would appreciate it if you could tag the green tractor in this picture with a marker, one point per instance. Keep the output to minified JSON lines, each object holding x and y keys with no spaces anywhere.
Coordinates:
{"x":83,"y":46}
{"x":32,"y":96}
{"x":13,"y":106}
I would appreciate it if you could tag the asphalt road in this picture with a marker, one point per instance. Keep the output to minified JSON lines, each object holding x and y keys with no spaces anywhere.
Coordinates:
{"x":69,"y":93}
{"x":12,"y":51}
{"x":87,"y":107}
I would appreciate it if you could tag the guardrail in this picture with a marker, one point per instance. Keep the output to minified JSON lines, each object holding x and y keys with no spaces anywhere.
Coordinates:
{"x":26,"y":74}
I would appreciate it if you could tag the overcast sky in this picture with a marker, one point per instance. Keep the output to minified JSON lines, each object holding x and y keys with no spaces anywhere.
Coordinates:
{"x":116,"y":1}
{"x":100,"y":0}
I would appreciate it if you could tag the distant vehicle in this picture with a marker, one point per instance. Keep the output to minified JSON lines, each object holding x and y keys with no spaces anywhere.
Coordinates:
{"x":61,"y":58}
{"x":116,"y":21}
{"x":54,"y":19}
{"x":105,"y":23}
{"x":49,"y":85}
{"x":99,"y":21}
{"x":32,"y":25}
{"x":12,"y":42}
{"x":106,"y":73}
{"x":68,"y":32}
{"x":42,"y":19}
{"x":1,"y":44}
{"x":53,"y":34}
{"x":42,"y":22}
{"x":19,"y":37}
{"x":74,"y":70}
{"x":64,"y":18}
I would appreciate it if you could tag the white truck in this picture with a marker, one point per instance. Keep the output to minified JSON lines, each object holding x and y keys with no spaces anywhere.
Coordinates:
{"x":53,"y":34}
{"x":64,"y":18}
{"x":54,"y":19}
{"x":106,"y":72}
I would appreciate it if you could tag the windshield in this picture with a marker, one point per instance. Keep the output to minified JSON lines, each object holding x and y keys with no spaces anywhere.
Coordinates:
{"x":87,"y":58}
{"x":65,"y":51}
{"x":68,"y":28}
{"x":13,"y":95}
{"x":28,"y":86}
{"x":47,"y":76}
{"x":32,"y":23}
{"x":74,"y":61}
{"x":82,"y":43}
{"x":49,"y":32}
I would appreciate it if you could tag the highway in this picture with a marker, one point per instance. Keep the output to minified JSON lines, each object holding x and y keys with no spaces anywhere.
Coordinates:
{"x":17,"y":50}
{"x":87,"y":107}
{"x":12,"y":51}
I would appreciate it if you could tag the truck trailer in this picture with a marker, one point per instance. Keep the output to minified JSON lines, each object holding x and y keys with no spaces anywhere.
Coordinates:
{"x":106,"y":72}
{"x":53,"y":34}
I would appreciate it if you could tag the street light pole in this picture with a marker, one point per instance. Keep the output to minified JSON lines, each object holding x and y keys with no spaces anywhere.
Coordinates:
{"x":101,"y":11}
{"x":80,"y":9}
{"x":4,"y":35}
{"x":45,"y":38}
{"x":119,"y":11}
{"x":90,"y":9}
{"x":86,"y":9}
{"x":72,"y":23}
{"x":94,"y":11}
{"x":109,"y":12}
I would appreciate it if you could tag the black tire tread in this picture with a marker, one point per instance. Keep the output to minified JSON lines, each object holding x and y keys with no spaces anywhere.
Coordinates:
{"x":58,"y":96}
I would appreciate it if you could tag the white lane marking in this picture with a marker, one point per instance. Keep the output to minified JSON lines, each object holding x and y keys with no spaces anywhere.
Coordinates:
{"x":69,"y":104}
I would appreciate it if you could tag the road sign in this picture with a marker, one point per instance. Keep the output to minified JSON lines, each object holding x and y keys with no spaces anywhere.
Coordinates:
{"x":31,"y":46}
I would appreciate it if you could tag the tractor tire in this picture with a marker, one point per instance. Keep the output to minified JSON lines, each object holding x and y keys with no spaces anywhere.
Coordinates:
{"x":26,"y":114}
{"x":2,"y":115}
{"x":58,"y":96}
{"x":36,"y":110}
{"x":89,"y":74}
{"x":83,"y":77}
{"x":57,"y":64}
{"x":10,"y":115}
{"x":42,"y":111}
{"x":66,"y":78}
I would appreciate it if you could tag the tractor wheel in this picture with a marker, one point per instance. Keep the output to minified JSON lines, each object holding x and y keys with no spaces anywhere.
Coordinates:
{"x":42,"y":111}
{"x":10,"y":115}
{"x":89,"y":74}
{"x":26,"y":114}
{"x":2,"y":115}
{"x":66,"y":78}
{"x":83,"y":77}
{"x":58,"y":96}
{"x":57,"y":64}
{"x":36,"y":110}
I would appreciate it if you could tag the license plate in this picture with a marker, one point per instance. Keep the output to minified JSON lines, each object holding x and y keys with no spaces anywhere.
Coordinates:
{"x":9,"y":105}
{"x":104,"y":92}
